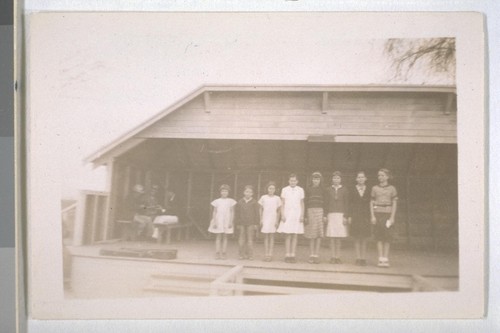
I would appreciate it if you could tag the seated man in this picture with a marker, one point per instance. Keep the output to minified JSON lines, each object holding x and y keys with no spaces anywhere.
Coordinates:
{"x":168,"y":214}
{"x":145,"y":208}
{"x":136,"y":207}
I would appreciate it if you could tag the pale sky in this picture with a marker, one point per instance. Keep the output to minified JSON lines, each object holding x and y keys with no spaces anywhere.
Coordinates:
{"x":101,"y":75}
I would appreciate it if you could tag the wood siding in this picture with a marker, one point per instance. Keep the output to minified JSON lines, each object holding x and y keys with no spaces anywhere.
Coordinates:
{"x":349,"y":116}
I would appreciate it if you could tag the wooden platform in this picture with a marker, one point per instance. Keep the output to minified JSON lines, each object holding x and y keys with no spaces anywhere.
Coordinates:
{"x":196,"y":273}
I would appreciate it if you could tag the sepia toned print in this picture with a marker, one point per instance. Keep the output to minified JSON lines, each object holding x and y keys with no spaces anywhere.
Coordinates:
{"x":251,"y":190}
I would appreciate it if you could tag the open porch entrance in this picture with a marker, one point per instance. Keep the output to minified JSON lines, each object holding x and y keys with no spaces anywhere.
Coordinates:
{"x":424,"y":174}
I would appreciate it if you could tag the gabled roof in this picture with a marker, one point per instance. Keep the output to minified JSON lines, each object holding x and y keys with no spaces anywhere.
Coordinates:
{"x":127,"y":140}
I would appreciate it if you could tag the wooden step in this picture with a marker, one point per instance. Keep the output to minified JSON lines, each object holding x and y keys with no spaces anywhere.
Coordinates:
{"x":180,"y":289}
{"x":182,"y":276}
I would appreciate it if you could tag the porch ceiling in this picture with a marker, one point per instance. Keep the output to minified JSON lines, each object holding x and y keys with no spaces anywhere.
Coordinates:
{"x":299,"y":156}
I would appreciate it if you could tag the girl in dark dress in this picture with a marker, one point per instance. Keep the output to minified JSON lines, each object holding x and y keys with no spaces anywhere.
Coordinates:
{"x":360,"y":217}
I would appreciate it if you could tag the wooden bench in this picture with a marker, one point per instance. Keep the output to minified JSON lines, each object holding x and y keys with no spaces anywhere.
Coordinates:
{"x":183,"y":229}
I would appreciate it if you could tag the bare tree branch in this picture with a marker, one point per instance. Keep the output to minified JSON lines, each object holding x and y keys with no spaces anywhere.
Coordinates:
{"x":435,"y":54}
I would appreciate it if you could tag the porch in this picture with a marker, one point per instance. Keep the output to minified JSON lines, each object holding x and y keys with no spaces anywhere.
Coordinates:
{"x":424,"y":174}
{"x":195,"y":272}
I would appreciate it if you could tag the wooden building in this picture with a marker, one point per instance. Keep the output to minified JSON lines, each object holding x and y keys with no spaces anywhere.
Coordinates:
{"x":243,"y":135}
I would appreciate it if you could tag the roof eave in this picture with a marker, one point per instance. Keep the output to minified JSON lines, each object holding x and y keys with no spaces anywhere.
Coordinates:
{"x":102,"y":156}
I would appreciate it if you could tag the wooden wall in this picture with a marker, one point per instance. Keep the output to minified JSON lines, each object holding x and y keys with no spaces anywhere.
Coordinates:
{"x":396,"y":116}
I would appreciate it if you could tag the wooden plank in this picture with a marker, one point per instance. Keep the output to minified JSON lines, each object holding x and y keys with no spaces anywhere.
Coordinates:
{"x":182,"y":276}
{"x":337,"y":88}
{"x":282,"y":115}
{"x":209,"y":132}
{"x":337,"y":278}
{"x":325,"y":123}
{"x":383,"y":139}
{"x":317,"y":138}
{"x":235,"y":287}
{"x":368,"y":116}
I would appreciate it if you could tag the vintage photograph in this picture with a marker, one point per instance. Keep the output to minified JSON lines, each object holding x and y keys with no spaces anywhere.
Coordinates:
{"x":206,"y":156}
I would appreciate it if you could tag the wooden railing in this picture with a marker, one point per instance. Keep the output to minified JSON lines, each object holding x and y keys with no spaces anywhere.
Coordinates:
{"x":225,"y":284}
{"x":233,"y":283}
{"x":91,"y":224}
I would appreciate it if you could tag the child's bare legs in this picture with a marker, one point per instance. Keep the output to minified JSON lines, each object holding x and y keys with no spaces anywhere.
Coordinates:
{"x":271,"y":245}
{"x":288,"y":239}
{"x":224,"y":245}
{"x":338,"y":243}
{"x":335,"y":244}
{"x":317,"y":246}
{"x":332,"y":247}
{"x":267,"y":239}
{"x":217,"y":244}
{"x":241,"y":242}
{"x":380,"y":249}
{"x":293,"y":245}
{"x":387,"y":247}
{"x":250,"y":232}
{"x":312,"y":246}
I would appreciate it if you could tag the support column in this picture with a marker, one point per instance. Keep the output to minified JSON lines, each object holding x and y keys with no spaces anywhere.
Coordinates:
{"x":189,"y":190}
{"x":408,"y":241}
{"x":111,"y":188}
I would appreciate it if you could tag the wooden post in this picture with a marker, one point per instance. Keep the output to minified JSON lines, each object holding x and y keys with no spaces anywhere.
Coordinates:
{"x":126,"y":184}
{"x":80,"y":220}
{"x":408,"y":235}
{"x":235,"y":184}
{"x":93,"y":226}
{"x":112,"y":188}
{"x":433,"y":218}
{"x":189,"y":190}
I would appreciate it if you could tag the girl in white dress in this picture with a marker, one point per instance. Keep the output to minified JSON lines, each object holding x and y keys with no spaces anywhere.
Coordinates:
{"x":222,"y":221}
{"x":292,"y":216}
{"x":269,"y":218}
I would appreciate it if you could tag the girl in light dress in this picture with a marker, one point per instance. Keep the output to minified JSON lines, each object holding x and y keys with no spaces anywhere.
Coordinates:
{"x":222,"y":221}
{"x":292,"y":216}
{"x":269,"y":218}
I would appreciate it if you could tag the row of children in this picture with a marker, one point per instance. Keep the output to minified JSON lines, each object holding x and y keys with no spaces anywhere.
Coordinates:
{"x":354,"y":212}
